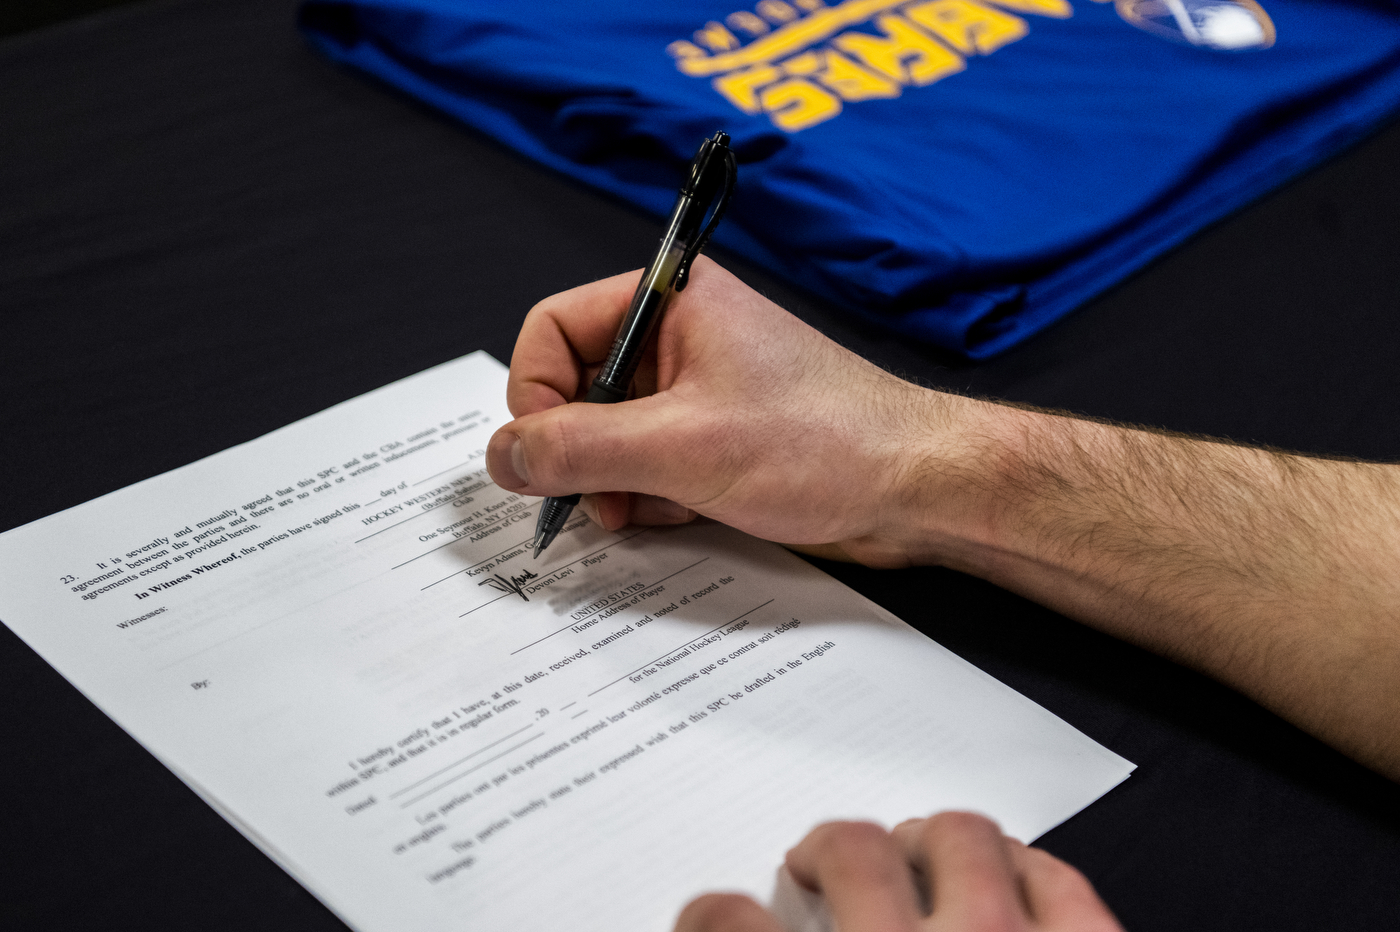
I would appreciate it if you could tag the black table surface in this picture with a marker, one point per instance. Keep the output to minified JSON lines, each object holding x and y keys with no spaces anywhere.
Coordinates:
{"x":207,"y":231}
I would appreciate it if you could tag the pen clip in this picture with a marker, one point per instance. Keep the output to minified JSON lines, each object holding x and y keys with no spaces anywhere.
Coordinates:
{"x":731,"y":173}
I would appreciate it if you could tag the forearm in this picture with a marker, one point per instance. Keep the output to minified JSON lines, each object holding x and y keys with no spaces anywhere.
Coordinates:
{"x":1275,"y":573}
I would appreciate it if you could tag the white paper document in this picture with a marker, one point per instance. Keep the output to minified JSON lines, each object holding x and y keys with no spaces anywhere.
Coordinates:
{"x":337,"y":636}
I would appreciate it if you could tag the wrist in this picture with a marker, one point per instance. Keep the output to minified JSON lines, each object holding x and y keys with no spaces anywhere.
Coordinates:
{"x":961,"y":483}
{"x":949,"y":492}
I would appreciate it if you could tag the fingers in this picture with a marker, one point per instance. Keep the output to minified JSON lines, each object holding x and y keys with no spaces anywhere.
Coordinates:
{"x":862,"y":872}
{"x":562,"y":337}
{"x":834,"y":551}
{"x":608,"y":510}
{"x":614,"y":510}
{"x":1058,"y":896}
{"x":726,"y":912}
{"x":974,"y":883}
{"x":652,"y":509}
{"x":740,"y":412}
{"x":645,"y":445}
{"x":980,"y":879}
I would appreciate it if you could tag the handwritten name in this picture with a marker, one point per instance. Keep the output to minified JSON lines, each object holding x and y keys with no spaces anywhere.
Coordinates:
{"x":510,"y":584}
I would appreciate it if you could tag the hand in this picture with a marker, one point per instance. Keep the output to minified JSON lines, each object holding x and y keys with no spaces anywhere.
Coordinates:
{"x":741,"y":413}
{"x":973,"y":878}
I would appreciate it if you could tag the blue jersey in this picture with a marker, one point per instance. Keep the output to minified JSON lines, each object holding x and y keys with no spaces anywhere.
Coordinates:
{"x":962,"y":171}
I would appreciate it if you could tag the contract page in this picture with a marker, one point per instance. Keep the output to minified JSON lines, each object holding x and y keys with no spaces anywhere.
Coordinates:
{"x":337,"y":635}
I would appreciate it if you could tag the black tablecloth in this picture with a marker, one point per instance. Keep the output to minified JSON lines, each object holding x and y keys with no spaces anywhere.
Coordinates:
{"x":206,"y":232}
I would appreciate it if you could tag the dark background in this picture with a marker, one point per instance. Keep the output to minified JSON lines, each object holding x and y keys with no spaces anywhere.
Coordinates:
{"x":207,"y":231}
{"x":17,"y":17}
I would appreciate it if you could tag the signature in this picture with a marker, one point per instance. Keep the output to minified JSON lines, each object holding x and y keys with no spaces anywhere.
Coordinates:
{"x":508,"y":585}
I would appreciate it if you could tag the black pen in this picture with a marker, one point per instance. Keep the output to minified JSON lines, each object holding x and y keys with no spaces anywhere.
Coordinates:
{"x":709,"y":184}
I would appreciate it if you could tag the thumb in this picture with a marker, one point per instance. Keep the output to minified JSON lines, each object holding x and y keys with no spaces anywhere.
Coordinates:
{"x":633,"y":446}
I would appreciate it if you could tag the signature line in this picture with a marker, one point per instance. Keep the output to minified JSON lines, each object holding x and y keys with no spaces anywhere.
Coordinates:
{"x":526,"y":541}
{"x":572,"y":623}
{"x":476,"y":564}
{"x":683,"y":646}
{"x":469,"y":770}
{"x":456,"y":762}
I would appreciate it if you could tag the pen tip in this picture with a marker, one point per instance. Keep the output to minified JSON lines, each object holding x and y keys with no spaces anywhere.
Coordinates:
{"x":539,"y":548}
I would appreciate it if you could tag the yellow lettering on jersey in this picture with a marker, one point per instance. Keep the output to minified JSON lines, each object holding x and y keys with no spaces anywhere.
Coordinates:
{"x":741,"y":87}
{"x":795,"y":36}
{"x":967,"y":25}
{"x":777,"y":11}
{"x":1059,"y":9}
{"x":841,"y":75}
{"x":821,"y":23}
{"x":905,"y":54}
{"x":805,"y":64}
{"x":852,"y":81}
{"x":745,"y":21}
{"x":797,"y":104}
{"x":683,"y":49}
{"x":716,"y":38}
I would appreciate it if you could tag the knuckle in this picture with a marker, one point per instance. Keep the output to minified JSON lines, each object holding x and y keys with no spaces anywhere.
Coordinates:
{"x":715,"y":911}
{"x":860,"y":852}
{"x":855,"y":833}
{"x":958,"y":824}
{"x":545,"y":307}
{"x":560,"y":462}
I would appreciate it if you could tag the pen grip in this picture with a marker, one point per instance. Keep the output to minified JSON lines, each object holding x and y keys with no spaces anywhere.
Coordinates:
{"x":653,"y":291}
{"x":600,"y":393}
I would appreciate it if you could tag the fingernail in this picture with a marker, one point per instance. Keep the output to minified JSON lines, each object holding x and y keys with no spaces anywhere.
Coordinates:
{"x":509,"y":469}
{"x":517,"y":460}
